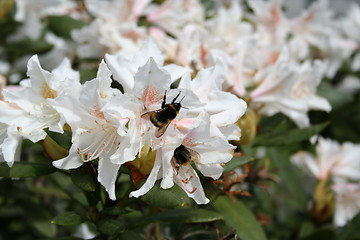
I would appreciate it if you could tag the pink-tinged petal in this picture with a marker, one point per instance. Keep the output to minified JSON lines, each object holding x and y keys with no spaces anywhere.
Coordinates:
{"x":189,"y":181}
{"x":151,"y":83}
{"x":139,"y":6}
{"x":107,"y":175}
{"x":150,"y":181}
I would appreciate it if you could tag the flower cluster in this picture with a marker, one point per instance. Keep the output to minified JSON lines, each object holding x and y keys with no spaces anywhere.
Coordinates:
{"x":186,"y":126}
{"x":176,"y":81}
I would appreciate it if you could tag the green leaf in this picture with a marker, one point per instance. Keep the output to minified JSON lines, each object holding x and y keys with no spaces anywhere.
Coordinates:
{"x":237,"y":162}
{"x":87,"y":74}
{"x":351,"y":230}
{"x":111,"y":226}
{"x":67,"y":219}
{"x":336,"y":97}
{"x":327,"y":234}
{"x":187,"y":215}
{"x":116,"y":211}
{"x":288,"y":137}
{"x":238,"y":216}
{"x":166,"y":198}
{"x":63,"y":25}
{"x":63,"y":139}
{"x":45,"y":228}
{"x":84,"y":178}
{"x":25,"y":169}
{"x":280,"y":160}
{"x":27,"y":46}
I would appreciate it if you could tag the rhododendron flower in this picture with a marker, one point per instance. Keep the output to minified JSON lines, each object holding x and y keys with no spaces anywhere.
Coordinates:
{"x":95,"y":133}
{"x":207,"y":153}
{"x":114,"y":28}
{"x":332,"y":160}
{"x":34,"y":98}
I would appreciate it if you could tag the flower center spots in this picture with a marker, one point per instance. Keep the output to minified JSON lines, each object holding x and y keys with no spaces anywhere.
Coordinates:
{"x":97,"y":112}
{"x":47,"y":92}
{"x":151,"y":95}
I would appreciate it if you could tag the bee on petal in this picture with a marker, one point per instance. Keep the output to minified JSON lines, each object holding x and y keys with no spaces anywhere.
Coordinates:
{"x":184,"y":156}
{"x":161,"y":118}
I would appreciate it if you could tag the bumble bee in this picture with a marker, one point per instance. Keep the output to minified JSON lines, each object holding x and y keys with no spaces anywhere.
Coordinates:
{"x":184,"y":156}
{"x":161,"y":118}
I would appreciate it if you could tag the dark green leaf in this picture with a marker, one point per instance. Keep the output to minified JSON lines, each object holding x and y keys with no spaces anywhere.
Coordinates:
{"x":84,"y":178}
{"x":115,"y":211}
{"x":111,"y":226}
{"x":327,"y":234}
{"x":166,"y":198}
{"x":237,"y":162}
{"x":87,"y":74}
{"x":63,"y":25}
{"x":351,"y":230}
{"x":67,"y":219}
{"x":25,"y":169}
{"x":188,"y":215}
{"x":64,"y":139}
{"x":27,"y":46}
{"x":333,"y":95}
{"x":288,"y":137}
{"x":238,"y":216}
{"x":289,"y":178}
{"x":45,"y":228}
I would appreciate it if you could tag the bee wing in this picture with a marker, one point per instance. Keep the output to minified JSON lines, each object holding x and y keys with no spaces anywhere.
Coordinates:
{"x":161,"y":130}
{"x":147,"y":115}
{"x":194,"y":155}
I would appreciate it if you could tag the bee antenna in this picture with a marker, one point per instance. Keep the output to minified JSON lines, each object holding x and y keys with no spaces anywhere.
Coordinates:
{"x":176,"y":97}
{"x":182,"y":99}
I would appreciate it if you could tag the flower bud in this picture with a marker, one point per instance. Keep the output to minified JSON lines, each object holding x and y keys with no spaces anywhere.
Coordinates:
{"x":248,"y":125}
{"x":142,"y":165}
{"x":323,"y":202}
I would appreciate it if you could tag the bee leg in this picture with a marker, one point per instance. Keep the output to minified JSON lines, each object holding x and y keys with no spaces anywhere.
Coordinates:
{"x":164,"y":100}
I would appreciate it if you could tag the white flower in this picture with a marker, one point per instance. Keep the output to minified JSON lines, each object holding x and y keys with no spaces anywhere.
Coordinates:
{"x":95,"y":133}
{"x":114,"y":29}
{"x":125,"y":67}
{"x":332,"y":160}
{"x":309,"y":77}
{"x":198,"y":146}
{"x":316,"y":27}
{"x":224,"y":108}
{"x":173,"y":16}
{"x":33,"y":98}
{"x":347,"y":202}
{"x":10,"y":138}
{"x":273,"y":94}
{"x":31,"y":12}
{"x":145,"y":93}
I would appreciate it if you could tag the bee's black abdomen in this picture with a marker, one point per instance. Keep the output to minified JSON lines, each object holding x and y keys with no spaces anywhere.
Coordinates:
{"x":182,"y":155}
